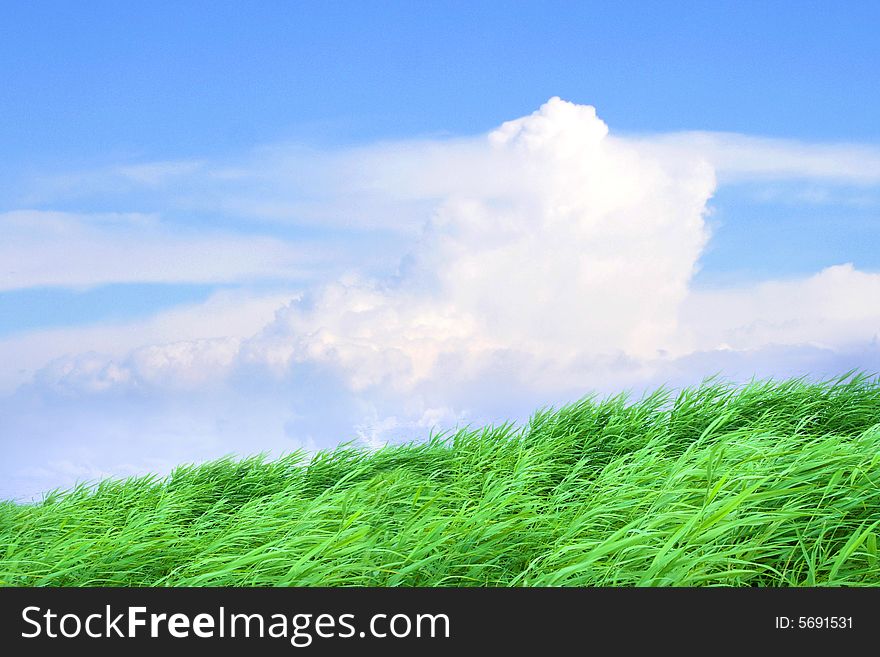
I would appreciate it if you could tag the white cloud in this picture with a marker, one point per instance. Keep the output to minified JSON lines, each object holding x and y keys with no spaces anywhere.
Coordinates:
{"x":562,"y":242}
{"x":553,"y":247}
{"x":187,"y":364}
{"x":40,"y":248}
{"x":220,"y":320}
{"x":155,"y":173}
{"x":395,"y":186}
{"x":837,"y":307}
{"x":738,"y":157}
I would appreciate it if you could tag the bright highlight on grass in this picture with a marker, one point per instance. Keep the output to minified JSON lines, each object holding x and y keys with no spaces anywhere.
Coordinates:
{"x":768,"y":484}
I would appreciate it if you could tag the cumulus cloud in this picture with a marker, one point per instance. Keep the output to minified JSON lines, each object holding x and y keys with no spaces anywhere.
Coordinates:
{"x":51,"y":355}
{"x":836,"y":308}
{"x":176,"y":365}
{"x":564,"y":242}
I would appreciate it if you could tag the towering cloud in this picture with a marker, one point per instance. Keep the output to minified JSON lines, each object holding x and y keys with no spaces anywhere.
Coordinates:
{"x":565,"y":242}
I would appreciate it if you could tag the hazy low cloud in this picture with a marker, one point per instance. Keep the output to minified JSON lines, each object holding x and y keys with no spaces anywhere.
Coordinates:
{"x":53,"y":354}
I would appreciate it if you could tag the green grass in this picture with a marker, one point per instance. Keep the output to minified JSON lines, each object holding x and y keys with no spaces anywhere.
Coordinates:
{"x":769,"y":484}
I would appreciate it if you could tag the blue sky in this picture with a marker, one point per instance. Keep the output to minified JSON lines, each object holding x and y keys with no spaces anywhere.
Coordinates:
{"x":221,"y":221}
{"x":111,"y":83}
{"x":112,"y":80}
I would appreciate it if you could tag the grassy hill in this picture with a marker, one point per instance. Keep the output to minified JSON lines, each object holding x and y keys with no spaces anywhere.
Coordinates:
{"x":771,"y":484}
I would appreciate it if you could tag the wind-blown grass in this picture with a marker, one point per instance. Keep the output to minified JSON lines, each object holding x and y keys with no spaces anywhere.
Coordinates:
{"x":769,"y":484}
